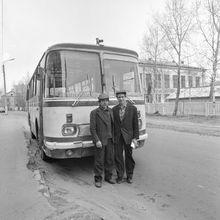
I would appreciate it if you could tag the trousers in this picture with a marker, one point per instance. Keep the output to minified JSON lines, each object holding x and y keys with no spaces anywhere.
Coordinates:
{"x":104,"y":161}
{"x":122,"y":164}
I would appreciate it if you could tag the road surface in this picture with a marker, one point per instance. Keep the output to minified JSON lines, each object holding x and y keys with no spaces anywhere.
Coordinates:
{"x":19,"y":196}
{"x":177,"y":176}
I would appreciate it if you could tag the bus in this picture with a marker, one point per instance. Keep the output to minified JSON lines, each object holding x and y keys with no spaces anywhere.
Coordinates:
{"x":63,"y":90}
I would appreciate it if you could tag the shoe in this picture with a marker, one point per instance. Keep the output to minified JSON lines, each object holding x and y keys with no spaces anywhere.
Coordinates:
{"x":111,"y":181}
{"x":119,"y":180}
{"x":98,"y":184}
{"x":129,"y":180}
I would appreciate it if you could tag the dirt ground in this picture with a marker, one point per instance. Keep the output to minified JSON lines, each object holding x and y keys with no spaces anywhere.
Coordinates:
{"x":69,"y":188}
{"x":68,"y":185}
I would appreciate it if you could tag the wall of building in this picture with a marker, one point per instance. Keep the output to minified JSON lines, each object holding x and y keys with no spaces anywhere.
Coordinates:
{"x":165,"y":79}
{"x":195,"y":99}
{"x":10,"y":97}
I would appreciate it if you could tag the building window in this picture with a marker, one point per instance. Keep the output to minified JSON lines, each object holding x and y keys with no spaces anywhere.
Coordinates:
{"x":157,"y":81}
{"x":141,"y":77}
{"x":167,"y":81}
{"x":183,"y":82}
{"x":158,"y":98}
{"x":197,"y":81}
{"x":190,"y":81}
{"x":148,"y":83}
{"x":174,"y":81}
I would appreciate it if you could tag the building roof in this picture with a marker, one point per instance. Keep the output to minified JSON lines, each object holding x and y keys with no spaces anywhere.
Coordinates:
{"x":170,"y":65}
{"x":201,"y":92}
{"x":9,"y":94}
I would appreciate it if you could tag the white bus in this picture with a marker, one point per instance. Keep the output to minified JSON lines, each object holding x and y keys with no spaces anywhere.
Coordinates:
{"x":64,"y":89}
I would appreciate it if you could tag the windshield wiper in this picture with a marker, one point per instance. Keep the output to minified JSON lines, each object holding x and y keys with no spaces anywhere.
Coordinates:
{"x":77,"y":98}
{"x":131,"y":101}
{"x":84,"y":91}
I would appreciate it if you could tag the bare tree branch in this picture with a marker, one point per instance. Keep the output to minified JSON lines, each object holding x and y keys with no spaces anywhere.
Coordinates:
{"x":211,"y":33}
{"x":177,"y":24}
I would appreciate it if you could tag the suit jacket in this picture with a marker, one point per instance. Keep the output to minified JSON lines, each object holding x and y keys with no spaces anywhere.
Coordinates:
{"x":98,"y":125}
{"x":128,"y":127}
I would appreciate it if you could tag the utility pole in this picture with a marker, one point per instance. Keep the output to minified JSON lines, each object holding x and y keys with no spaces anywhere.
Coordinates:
{"x":3,"y":67}
{"x":4,"y":61}
{"x":4,"y":79}
{"x":5,"y":98}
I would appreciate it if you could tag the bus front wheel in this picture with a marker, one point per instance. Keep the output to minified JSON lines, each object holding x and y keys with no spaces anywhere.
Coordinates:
{"x":43,"y":156}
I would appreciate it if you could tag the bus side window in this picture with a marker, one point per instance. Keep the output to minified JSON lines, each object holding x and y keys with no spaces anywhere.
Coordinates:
{"x":54,"y":78}
{"x":27,"y":94}
{"x":38,"y":87}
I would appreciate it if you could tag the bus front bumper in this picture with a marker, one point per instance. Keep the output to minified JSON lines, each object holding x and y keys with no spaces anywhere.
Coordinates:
{"x":76,"y":149}
{"x":63,"y":150}
{"x":142,"y":139}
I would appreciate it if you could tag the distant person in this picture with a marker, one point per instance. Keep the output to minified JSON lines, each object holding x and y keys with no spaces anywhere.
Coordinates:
{"x":125,"y":132}
{"x":101,"y":128}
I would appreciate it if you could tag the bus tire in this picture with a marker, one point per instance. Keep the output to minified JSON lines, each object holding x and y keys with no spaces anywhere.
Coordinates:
{"x":29,"y":123}
{"x":32,"y":134}
{"x":43,"y":156}
{"x":29,"y":120}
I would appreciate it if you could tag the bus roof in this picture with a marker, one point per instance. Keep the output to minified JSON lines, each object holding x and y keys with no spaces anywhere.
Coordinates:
{"x":91,"y":47}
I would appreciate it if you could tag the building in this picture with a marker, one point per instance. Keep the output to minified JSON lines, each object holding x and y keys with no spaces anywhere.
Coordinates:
{"x":11,"y":103}
{"x":159,"y":80}
{"x":200,"y":94}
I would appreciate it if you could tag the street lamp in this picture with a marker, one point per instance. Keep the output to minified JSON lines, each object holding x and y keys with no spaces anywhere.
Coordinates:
{"x":4,"y":79}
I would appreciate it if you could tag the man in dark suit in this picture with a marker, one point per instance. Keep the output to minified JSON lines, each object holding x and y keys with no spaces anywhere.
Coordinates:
{"x":101,"y":128}
{"x":126,"y":131}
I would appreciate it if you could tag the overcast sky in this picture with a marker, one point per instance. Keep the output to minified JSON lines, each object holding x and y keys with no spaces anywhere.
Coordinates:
{"x":31,"y":26}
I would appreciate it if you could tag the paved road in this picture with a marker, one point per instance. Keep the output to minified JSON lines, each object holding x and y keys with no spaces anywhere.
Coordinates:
{"x":177,"y":176}
{"x":19,"y":196}
{"x":182,"y":172}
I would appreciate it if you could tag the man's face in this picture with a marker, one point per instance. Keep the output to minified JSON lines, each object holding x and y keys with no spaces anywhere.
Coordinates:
{"x":121,"y":99}
{"x":103,"y":103}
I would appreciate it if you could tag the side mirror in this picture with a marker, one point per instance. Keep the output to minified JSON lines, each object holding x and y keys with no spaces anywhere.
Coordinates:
{"x":40,"y":73}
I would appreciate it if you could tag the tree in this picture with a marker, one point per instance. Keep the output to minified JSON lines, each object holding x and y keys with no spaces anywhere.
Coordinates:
{"x":20,"y":92}
{"x":1,"y":100}
{"x":152,"y":49}
{"x":177,"y":25}
{"x":208,"y":20}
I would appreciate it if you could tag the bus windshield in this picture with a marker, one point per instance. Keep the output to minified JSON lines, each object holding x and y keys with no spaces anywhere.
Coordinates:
{"x":72,"y":73}
{"x":121,"y":75}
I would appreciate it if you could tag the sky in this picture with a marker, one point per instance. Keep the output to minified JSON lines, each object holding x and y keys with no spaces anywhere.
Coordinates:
{"x":29,"y":27}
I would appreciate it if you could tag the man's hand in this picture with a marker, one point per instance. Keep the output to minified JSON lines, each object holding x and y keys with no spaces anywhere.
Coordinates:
{"x":135,"y":142}
{"x":98,"y":144}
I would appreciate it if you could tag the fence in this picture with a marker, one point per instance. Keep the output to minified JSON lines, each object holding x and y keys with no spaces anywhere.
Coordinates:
{"x":185,"y":108}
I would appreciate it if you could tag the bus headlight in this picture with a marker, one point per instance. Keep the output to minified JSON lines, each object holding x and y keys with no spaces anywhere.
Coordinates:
{"x":140,"y":123}
{"x":69,"y":130}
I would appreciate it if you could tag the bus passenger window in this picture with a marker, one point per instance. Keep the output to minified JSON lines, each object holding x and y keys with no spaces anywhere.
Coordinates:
{"x":55,"y":78}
